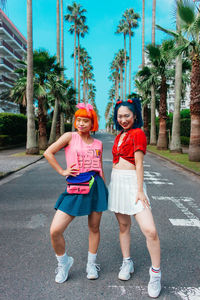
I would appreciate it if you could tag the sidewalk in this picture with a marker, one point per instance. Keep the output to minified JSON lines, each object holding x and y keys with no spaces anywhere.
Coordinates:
{"x":12,"y":160}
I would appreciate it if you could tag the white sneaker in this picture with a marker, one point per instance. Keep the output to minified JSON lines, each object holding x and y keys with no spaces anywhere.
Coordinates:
{"x":63,"y":269}
{"x":154,"y":286}
{"x":126,"y":270}
{"x":92,"y":270}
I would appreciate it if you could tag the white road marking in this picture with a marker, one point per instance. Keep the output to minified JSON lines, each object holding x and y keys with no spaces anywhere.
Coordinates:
{"x":155,"y":178}
{"x":185,"y":222}
{"x":189,"y":293}
{"x":147,"y":166}
{"x":191,"y":220}
{"x":186,"y":293}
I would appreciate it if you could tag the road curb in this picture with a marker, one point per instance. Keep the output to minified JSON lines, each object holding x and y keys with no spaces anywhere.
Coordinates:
{"x":175,"y":163}
{"x":23,"y":167}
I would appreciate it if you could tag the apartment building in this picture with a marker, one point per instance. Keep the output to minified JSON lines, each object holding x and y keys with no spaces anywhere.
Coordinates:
{"x":13,"y":47}
{"x":185,"y":101}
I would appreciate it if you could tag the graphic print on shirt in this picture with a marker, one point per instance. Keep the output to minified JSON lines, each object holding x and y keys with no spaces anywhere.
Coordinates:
{"x":90,"y":160}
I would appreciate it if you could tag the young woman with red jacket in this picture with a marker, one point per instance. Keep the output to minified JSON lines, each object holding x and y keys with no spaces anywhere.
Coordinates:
{"x":127,"y":192}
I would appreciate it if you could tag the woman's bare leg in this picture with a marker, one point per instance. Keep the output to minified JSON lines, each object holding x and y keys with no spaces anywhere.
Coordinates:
{"x":60,"y":222}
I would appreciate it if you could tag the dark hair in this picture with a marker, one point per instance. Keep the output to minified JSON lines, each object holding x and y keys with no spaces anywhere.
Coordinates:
{"x":135,"y":106}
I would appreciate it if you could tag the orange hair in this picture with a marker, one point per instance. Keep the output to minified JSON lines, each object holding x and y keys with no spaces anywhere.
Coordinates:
{"x":90,"y":114}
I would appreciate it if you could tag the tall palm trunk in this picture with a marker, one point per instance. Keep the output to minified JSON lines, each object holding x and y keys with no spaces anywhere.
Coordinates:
{"x":42,"y":125}
{"x":83,"y":86}
{"x":52,"y":137}
{"x":153,"y":97}
{"x":153,"y":117}
{"x":146,"y":122}
{"x":175,"y":145}
{"x":58,"y":123}
{"x":194,"y":147}
{"x":125,"y":63}
{"x":31,"y":144}
{"x":121,"y":83}
{"x":143,"y":21}
{"x":153,"y":21}
{"x":116,"y":91}
{"x":62,"y":37}
{"x":62,"y":123}
{"x":129,"y":90}
{"x":75,"y":58}
{"x":79,"y":81}
{"x":162,"y":136}
{"x":62,"y":117}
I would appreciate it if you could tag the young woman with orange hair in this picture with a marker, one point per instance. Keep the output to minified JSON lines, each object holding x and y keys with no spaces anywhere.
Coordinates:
{"x":84,"y":158}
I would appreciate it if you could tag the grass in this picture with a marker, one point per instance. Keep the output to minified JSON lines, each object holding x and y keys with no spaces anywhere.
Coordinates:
{"x":20,"y":154}
{"x":177,"y":157}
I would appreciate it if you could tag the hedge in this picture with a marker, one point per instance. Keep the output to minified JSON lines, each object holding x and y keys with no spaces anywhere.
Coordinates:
{"x":6,"y":140}
{"x":185,"y":140}
{"x":12,"y":124}
{"x":185,"y":124}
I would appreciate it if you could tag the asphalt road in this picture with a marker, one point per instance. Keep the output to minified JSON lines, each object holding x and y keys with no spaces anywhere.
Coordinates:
{"x":27,"y":262}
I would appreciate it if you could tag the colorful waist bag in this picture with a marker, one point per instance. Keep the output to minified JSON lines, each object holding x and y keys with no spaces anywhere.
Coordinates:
{"x":80,"y":184}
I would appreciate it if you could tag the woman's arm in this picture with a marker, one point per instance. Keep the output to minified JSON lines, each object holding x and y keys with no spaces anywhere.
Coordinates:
{"x":102,"y":166}
{"x":49,"y":154}
{"x":139,"y":156}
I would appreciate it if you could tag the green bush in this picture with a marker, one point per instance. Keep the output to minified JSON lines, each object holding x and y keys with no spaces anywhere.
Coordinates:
{"x":185,"y":114}
{"x":185,"y":140}
{"x":184,"y":123}
{"x":12,"y":124}
{"x":4,"y":140}
{"x":185,"y":127}
{"x":68,"y":127}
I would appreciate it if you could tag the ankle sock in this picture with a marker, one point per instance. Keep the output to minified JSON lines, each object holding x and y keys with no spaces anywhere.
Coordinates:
{"x":155,"y":270}
{"x":126,"y":259}
{"x":92,"y":257}
{"x":62,"y":258}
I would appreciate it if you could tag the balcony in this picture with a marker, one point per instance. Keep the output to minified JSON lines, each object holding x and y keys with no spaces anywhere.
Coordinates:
{"x":6,"y":79}
{"x":4,"y":62}
{"x":7,"y":29}
{"x":10,"y":49}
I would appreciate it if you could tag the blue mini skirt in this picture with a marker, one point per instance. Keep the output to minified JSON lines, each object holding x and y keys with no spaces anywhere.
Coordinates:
{"x":81,"y":205}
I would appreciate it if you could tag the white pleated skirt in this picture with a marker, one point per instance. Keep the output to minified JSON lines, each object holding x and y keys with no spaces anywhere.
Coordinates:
{"x":122,"y":192}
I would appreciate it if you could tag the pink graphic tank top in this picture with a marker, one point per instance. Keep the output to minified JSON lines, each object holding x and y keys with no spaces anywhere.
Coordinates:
{"x":86,"y":157}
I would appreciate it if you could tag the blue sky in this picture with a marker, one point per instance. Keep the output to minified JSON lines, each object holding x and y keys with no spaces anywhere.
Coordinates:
{"x":101,"y":42}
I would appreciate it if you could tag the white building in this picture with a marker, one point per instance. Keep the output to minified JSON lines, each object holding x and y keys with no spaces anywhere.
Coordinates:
{"x":185,"y":102}
{"x":13,"y":47}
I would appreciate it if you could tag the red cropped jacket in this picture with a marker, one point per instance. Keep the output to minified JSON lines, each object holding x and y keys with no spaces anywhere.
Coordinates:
{"x":134,"y":140}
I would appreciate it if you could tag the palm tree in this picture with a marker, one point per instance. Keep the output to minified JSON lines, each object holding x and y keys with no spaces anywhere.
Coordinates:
{"x":107,"y":114}
{"x":161,"y":57}
{"x":153,"y":92}
{"x":115,"y":76}
{"x":85,"y":64}
{"x":175,"y":144}
{"x":75,"y":15}
{"x":132,"y":20}
{"x":31,"y":143}
{"x":82,"y":29}
{"x":120,"y":60}
{"x":143,"y":31}
{"x":189,"y":24}
{"x":123,"y":28}
{"x":147,"y":78}
{"x":153,"y":22}
{"x":62,"y":37}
